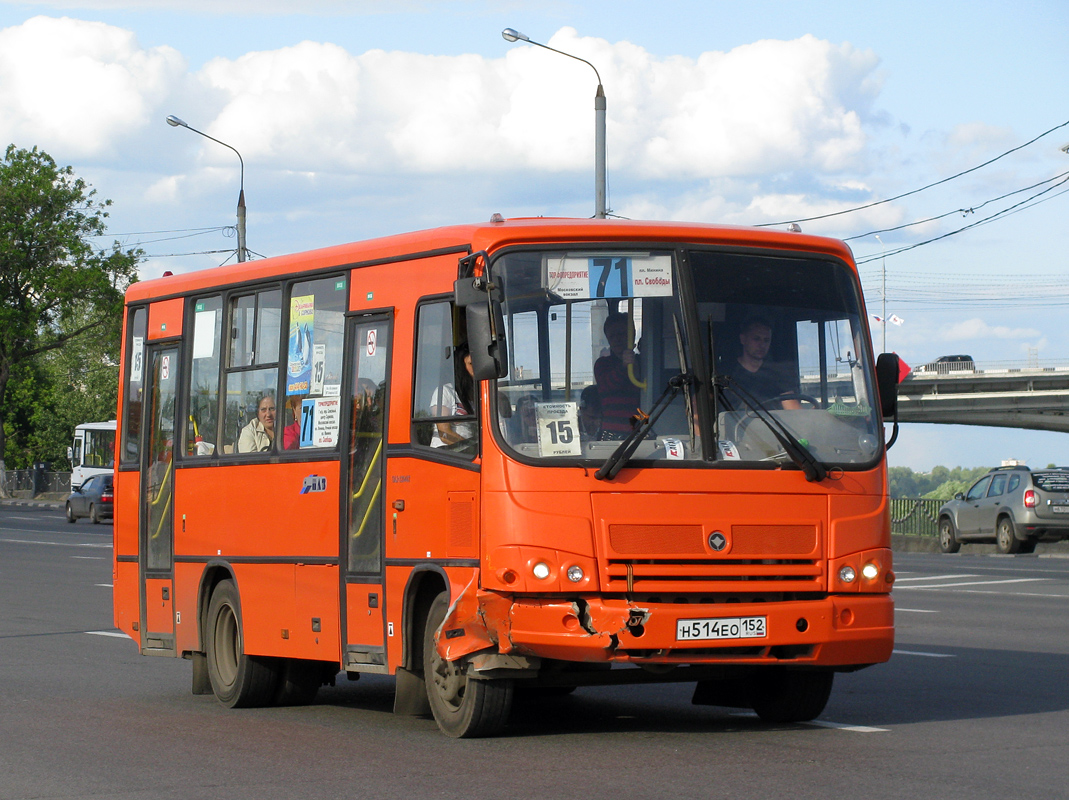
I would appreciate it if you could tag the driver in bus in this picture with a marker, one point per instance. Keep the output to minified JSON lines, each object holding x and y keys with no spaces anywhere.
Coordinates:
{"x":258,"y":435}
{"x":455,"y":401}
{"x":754,"y":373}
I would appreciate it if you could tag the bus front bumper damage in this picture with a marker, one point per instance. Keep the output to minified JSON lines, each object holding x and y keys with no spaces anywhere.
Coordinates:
{"x":836,"y":630}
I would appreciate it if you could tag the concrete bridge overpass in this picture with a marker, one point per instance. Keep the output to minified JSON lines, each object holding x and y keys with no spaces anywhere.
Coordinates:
{"x":1011,"y":396}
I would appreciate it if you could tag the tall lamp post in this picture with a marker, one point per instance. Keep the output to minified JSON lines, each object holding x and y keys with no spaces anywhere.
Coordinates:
{"x":175,"y":122}
{"x":511,"y":35}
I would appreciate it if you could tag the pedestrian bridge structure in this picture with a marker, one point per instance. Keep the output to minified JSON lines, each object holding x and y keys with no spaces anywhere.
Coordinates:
{"x":1012,"y":397}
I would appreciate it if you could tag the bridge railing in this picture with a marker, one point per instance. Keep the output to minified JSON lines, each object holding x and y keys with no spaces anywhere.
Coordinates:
{"x":916,"y":516}
{"x":30,"y":483}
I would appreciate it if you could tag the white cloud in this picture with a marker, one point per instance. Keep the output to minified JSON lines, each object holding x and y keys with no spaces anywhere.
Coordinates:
{"x":762,"y":108}
{"x":977,"y":328}
{"x":80,"y":87}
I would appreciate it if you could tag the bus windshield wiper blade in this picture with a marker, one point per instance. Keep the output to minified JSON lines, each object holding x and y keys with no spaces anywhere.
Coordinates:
{"x":622,"y":454}
{"x":814,"y":469}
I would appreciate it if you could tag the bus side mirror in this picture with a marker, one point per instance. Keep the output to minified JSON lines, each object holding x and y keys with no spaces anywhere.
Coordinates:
{"x":887,"y":383}
{"x":486,"y":327}
{"x":70,"y":456}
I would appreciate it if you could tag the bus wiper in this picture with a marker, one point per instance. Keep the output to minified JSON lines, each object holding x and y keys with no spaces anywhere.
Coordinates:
{"x":814,"y":469}
{"x":622,"y":454}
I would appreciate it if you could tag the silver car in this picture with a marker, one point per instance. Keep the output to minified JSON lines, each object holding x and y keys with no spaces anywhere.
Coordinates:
{"x":1013,"y":507}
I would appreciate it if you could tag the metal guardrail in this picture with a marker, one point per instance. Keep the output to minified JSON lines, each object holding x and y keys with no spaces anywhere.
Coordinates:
{"x":32,"y":483}
{"x":915,"y":515}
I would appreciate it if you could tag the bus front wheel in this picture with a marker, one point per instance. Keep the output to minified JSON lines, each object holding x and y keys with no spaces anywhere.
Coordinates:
{"x":463,"y":707}
{"x":238,"y":680}
{"x":782,"y":695}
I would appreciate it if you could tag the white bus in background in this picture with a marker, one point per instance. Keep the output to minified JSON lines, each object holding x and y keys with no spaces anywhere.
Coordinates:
{"x":93,"y":451}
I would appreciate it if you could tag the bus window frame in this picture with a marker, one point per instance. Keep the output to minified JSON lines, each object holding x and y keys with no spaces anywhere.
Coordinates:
{"x":426,"y":451}
{"x":126,"y":461}
{"x":694,"y":347}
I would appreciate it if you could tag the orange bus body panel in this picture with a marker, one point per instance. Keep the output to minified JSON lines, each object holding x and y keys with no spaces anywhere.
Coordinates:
{"x":165,"y":319}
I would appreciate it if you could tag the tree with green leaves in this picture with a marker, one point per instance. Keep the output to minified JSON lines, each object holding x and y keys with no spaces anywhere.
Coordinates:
{"x":57,"y":288}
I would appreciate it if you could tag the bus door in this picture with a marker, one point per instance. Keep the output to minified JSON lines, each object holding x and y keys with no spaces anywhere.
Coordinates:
{"x":363,"y":517}
{"x":157,"y":501}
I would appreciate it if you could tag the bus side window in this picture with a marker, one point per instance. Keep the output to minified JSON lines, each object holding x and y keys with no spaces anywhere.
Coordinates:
{"x":310,"y":411}
{"x":202,"y":425}
{"x":251,"y":413}
{"x":443,"y":389}
{"x":135,"y":373}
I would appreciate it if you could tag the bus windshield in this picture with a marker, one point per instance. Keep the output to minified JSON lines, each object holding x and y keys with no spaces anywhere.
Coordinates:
{"x":733,"y":352}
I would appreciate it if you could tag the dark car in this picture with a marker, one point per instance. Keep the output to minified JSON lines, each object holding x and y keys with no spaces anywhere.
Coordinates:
{"x":94,"y":499}
{"x":1013,"y":507}
{"x":945,"y":364}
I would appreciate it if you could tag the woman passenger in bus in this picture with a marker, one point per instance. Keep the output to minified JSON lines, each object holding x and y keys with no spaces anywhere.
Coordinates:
{"x":258,"y":435}
{"x":448,"y":401}
{"x":618,"y":392}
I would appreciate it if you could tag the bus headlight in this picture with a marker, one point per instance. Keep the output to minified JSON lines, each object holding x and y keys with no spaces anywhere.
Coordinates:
{"x":540,"y":570}
{"x":847,"y":574}
{"x":575,"y":573}
{"x":870,"y":571}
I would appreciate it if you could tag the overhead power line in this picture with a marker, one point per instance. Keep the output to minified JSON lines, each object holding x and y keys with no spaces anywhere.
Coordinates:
{"x":921,"y":189}
{"x":996,"y":215}
{"x":963,"y":211}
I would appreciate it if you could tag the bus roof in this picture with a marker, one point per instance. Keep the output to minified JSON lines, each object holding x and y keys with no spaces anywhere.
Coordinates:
{"x":487,"y":236}
{"x":96,"y":426}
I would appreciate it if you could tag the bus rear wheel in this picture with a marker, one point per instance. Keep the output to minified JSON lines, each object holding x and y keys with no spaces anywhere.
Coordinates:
{"x":462,"y":706}
{"x":238,"y":680}
{"x":782,"y":695}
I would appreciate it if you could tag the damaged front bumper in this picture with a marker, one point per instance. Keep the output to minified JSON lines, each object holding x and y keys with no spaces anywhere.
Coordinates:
{"x":834,"y":630}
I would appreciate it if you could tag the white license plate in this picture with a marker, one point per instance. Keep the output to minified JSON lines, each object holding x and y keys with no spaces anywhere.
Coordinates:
{"x":1060,"y":509}
{"x":721,"y":628}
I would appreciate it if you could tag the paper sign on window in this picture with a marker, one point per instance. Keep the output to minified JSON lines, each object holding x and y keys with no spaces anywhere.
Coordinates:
{"x":558,"y":429}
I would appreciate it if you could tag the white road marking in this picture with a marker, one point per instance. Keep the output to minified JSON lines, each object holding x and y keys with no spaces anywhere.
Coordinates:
{"x":105,"y":585}
{"x":919,"y":653}
{"x":114,"y":634}
{"x":819,"y":723}
{"x":934,"y":577}
{"x":918,"y":610}
{"x":976,"y":583}
{"x":91,"y":558}
{"x":841,"y":727}
{"x":55,"y":544}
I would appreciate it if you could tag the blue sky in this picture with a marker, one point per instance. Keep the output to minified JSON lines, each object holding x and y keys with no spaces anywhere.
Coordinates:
{"x":358,"y":119}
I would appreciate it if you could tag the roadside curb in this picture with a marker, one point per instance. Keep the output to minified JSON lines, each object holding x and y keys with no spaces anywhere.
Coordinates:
{"x":906,"y":543}
{"x":18,"y":501}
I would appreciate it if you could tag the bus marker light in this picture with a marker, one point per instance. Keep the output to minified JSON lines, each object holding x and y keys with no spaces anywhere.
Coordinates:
{"x":847,"y":574}
{"x":508,"y":576}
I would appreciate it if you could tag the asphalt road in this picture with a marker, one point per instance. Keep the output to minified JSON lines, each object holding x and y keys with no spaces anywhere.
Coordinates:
{"x":974,"y":704}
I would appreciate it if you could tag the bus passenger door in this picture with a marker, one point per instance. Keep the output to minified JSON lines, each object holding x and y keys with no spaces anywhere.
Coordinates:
{"x":363,"y":521}
{"x":157,"y":498}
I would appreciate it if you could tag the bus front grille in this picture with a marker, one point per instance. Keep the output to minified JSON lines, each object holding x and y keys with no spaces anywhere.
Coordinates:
{"x":717,"y":578}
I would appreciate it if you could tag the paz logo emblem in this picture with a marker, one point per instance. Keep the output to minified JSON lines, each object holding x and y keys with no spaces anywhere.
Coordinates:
{"x":718,"y":541}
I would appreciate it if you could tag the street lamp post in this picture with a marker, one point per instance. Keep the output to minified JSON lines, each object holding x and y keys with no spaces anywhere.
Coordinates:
{"x":511,"y":35}
{"x":175,"y":122}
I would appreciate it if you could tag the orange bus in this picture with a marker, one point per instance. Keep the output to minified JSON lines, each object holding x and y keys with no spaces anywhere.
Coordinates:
{"x":531,"y":453}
